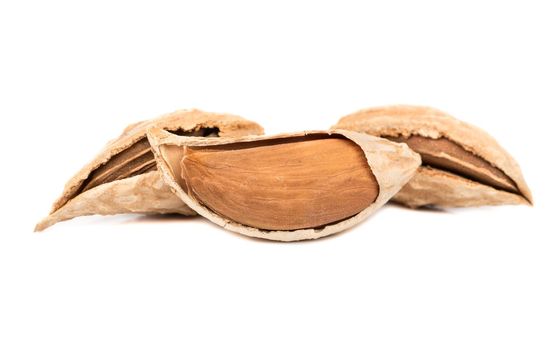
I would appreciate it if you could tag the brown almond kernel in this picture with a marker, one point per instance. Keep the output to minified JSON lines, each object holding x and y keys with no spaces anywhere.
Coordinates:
{"x":446,"y":155}
{"x":135,"y":160}
{"x":284,"y":184}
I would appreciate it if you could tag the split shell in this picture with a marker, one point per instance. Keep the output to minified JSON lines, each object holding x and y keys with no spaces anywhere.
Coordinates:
{"x":392,"y":164}
{"x":144,"y":193}
{"x":438,"y":187}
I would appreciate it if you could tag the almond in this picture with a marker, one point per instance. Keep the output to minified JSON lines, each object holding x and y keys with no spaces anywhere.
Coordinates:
{"x":284,"y":187}
{"x":123,"y":178}
{"x":461,"y":164}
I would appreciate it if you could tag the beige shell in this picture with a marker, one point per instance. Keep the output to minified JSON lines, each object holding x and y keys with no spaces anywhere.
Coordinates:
{"x":145,"y":193}
{"x":433,"y":186}
{"x":392,"y":165}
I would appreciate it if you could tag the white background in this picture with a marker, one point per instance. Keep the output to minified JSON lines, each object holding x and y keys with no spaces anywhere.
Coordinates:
{"x":73,"y":74}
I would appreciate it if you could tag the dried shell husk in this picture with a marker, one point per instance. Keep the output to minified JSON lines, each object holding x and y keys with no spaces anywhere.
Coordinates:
{"x":436,"y":187}
{"x":392,"y":165}
{"x":440,"y":187}
{"x":140,"y":192}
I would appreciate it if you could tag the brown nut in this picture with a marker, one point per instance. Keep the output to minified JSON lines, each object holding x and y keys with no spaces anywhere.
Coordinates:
{"x":461,"y":164}
{"x":285,"y":187}
{"x":123,"y":177}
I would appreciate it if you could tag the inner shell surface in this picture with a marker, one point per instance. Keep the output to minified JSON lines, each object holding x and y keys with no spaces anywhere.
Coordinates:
{"x":282,"y":184}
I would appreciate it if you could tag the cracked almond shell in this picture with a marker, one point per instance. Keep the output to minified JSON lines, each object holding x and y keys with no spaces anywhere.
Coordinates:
{"x":123,"y":177}
{"x":463,"y":166}
{"x":390,"y":164}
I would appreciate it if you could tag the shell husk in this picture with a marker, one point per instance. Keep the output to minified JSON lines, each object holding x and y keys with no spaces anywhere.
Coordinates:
{"x":145,"y":193}
{"x":392,"y":164}
{"x":433,"y":186}
{"x":451,"y":191}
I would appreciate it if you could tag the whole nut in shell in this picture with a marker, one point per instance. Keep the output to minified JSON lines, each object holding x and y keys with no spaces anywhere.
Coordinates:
{"x":462,"y":165}
{"x":123,"y":178}
{"x":286,"y":187}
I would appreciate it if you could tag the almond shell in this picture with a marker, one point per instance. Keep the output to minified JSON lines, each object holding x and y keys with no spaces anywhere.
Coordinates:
{"x":145,"y":193}
{"x":433,"y":186}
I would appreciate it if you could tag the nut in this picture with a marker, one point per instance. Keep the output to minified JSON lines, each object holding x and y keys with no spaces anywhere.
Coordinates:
{"x":284,"y":187}
{"x":123,"y":177}
{"x":461,"y":164}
